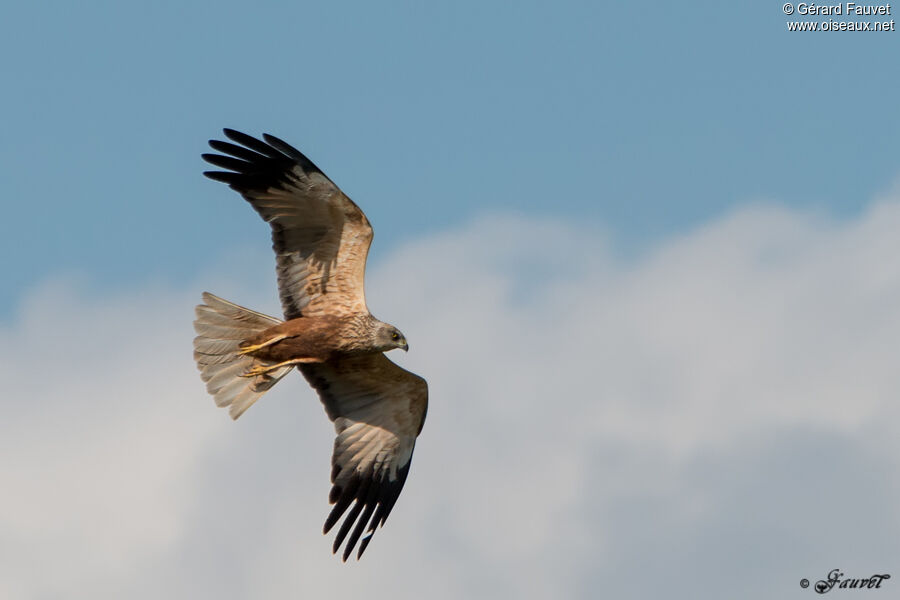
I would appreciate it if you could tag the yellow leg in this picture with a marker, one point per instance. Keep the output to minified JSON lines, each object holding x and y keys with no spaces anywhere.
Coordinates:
{"x":261,"y":369}
{"x":255,"y":347}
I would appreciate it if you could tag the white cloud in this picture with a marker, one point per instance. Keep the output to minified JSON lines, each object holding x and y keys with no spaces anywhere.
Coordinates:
{"x":715,"y":417}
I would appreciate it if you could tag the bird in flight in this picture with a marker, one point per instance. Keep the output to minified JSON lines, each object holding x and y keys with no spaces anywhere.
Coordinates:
{"x":321,"y":239}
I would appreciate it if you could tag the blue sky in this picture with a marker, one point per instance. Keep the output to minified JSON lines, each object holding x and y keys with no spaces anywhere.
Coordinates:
{"x":646,"y":119}
{"x":645,"y":255}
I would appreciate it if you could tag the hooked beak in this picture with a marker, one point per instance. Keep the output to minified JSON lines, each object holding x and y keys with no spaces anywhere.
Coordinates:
{"x":405,"y":347}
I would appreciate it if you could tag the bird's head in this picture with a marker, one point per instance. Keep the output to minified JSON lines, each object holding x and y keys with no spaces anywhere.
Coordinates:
{"x":389,"y":337}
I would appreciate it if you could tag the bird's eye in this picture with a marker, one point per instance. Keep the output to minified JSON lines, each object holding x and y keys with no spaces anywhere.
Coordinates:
{"x":395,"y":336}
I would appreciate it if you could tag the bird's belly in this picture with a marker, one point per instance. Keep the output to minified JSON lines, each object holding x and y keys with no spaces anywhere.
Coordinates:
{"x":298,"y":338}
{"x":300,"y":346}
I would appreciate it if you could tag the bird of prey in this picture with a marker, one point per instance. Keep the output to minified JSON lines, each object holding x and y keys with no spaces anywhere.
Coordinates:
{"x":321,"y":239}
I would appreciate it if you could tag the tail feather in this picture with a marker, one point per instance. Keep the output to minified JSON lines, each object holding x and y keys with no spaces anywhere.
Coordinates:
{"x":221,"y":327}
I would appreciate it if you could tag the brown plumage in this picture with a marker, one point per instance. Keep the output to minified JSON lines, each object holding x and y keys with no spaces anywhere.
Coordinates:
{"x":317,"y":338}
{"x":321,"y":240}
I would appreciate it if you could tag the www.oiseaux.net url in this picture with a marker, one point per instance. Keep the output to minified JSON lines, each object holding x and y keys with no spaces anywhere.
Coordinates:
{"x":845,"y":16}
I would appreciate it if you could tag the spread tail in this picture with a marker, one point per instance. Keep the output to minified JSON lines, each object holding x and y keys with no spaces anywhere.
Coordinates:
{"x":221,"y":327}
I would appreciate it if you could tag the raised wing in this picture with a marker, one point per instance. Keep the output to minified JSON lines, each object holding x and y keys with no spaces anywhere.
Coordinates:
{"x":378,"y":409}
{"x":320,"y":237}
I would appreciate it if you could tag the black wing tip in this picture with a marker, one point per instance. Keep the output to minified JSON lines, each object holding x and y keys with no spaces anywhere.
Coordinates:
{"x":231,"y":134}
{"x":222,"y":176}
{"x":250,"y":164}
{"x":216,"y":159}
{"x":268,"y":148}
{"x":247,"y":143}
{"x":364,"y":543}
{"x":345,"y":529}
{"x":238,"y":136}
{"x":376,"y":496}
{"x":286,"y":148}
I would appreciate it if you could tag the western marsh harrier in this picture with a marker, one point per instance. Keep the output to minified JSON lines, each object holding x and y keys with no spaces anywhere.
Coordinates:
{"x":321,"y":239}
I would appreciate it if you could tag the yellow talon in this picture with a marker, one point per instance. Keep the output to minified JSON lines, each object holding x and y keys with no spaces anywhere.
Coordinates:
{"x":255,"y":347}
{"x":257,"y":370}
{"x":263,"y":369}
